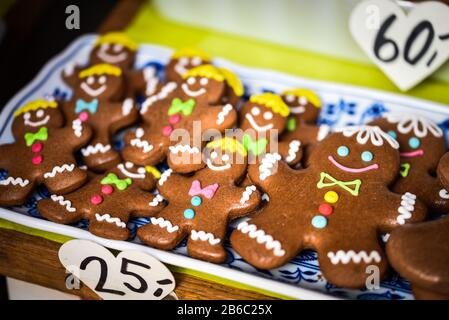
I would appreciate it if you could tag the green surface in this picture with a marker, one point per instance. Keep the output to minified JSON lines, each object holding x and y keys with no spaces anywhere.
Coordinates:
{"x":150,"y":27}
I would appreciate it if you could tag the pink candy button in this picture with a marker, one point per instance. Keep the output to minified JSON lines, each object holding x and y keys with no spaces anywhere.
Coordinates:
{"x":174,"y":119}
{"x":37,"y":147}
{"x":107,"y":189}
{"x":84,"y":116}
{"x":167,"y":130}
{"x":37,"y":159}
{"x":96,"y":199}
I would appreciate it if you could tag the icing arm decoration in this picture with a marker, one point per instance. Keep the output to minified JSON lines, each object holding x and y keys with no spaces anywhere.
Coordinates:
{"x":161,"y":222}
{"x":59,"y":169}
{"x":406,"y":208}
{"x":346,"y":257}
{"x":262,"y":238}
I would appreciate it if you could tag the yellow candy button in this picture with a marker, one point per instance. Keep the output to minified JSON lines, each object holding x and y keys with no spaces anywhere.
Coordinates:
{"x":331,"y":197}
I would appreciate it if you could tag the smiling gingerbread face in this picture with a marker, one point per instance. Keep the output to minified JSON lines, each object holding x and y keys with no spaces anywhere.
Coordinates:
{"x":184,"y":60}
{"x":144,"y":176}
{"x":205,"y":82}
{"x":102,"y":81}
{"x":304,"y":105}
{"x":227,"y":158}
{"x":116,"y":49}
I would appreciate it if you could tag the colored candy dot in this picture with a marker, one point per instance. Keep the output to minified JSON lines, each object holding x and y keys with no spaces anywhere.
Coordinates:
{"x":174,"y":119}
{"x":37,"y":147}
{"x":189,"y":213}
{"x":196,"y":201}
{"x":331,"y":197}
{"x":414,"y":142}
{"x":107,"y":189}
{"x":325,"y":209}
{"x":96,"y":199}
{"x":392,"y":134}
{"x":319,"y":222}
{"x":343,"y":151}
{"x":166,"y":131}
{"x":37,"y":159}
{"x":84,"y":116}
{"x":367,"y":156}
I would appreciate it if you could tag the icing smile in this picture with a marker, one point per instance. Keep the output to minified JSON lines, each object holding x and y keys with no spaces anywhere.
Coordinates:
{"x":297,"y":110}
{"x":353,"y":170}
{"x":412,"y":154}
{"x":258,"y":128}
{"x":187,"y":91}
{"x":42,"y":122}
{"x":129,"y":174}
{"x":92,"y":92}
{"x":211,"y":166}
{"x":112,"y":59}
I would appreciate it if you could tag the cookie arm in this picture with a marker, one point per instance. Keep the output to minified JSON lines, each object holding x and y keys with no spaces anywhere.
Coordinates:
{"x":146,"y":204}
{"x":122,"y":114}
{"x":170,"y":181}
{"x":219,"y":117}
{"x":144,"y":82}
{"x":5,"y":149}
{"x":291,"y":151}
{"x":244,"y":200}
{"x":77,"y":134}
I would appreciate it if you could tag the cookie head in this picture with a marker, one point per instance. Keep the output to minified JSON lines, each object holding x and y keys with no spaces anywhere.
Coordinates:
{"x":36,"y":114}
{"x":227,"y":158}
{"x":144,"y":176}
{"x":358,"y":152}
{"x":183,"y":60}
{"x":303,"y":104}
{"x":114,"y":48}
{"x":101,"y":81}
{"x":204,"y":81}
{"x":264,"y":112}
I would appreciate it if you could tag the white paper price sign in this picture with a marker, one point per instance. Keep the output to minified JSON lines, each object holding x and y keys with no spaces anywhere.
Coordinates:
{"x":130,"y":275}
{"x":406,"y":47}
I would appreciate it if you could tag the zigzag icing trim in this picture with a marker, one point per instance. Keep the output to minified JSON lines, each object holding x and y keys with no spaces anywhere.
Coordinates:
{"x":99,"y":147}
{"x":293,"y":148}
{"x":247,"y":193}
{"x":165,"y":91}
{"x":107,"y":217}
{"x":266,"y":197}
{"x":345,"y":257}
{"x":77,"y":127}
{"x":183,"y":148}
{"x":407,"y":206}
{"x":63,"y":202}
{"x":204,"y":236}
{"x":142,"y":144}
{"x":419,"y":125}
{"x":261,"y":238}
{"x":156,"y":200}
{"x":224,"y":113}
{"x":127,"y":106}
{"x":164,"y":176}
{"x":59,"y":169}
{"x":161,"y":222}
{"x":15,"y":181}
{"x":374,"y":134}
{"x":267,"y":165}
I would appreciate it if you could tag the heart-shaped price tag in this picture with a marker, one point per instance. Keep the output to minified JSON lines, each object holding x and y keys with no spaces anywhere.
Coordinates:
{"x":408,"y":47}
{"x":130,"y":275}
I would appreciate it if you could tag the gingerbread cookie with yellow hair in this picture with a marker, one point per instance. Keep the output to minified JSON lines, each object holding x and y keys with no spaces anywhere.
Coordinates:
{"x":200,"y":206}
{"x":42,"y":153}
{"x":177,"y":117}
{"x":182,"y":61}
{"x":97,"y":91}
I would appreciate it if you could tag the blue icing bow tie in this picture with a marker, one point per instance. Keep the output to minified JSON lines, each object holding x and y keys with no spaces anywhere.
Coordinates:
{"x":82,"y":105}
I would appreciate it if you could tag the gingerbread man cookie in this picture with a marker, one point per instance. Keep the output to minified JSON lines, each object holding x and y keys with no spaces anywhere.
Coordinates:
{"x":177,"y":117}
{"x":201,"y":206}
{"x":96,"y":101}
{"x":338,"y":206}
{"x":108,"y":201}
{"x":42,"y":153}
{"x":422,"y":144}
{"x":182,"y":61}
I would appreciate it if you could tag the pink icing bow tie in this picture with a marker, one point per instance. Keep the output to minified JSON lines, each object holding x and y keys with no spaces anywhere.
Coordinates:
{"x":208,"y":191}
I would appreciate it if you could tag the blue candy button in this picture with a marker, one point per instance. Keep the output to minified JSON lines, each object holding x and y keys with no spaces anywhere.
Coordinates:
{"x":319,"y":222}
{"x":189,"y":213}
{"x":196,"y":201}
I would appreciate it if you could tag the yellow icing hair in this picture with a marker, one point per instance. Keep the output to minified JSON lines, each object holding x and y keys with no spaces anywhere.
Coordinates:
{"x":154,"y":171}
{"x":206,"y":71}
{"x":99,"y":69}
{"x":35,"y":105}
{"x":190,"y":53}
{"x":233,"y":81}
{"x":229,"y":144}
{"x":117,"y":38}
{"x":272,"y":101}
{"x":308,"y":94}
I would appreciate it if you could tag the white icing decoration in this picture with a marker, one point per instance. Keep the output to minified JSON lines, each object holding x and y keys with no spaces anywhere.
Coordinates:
{"x":129,"y":174}
{"x":213,"y":167}
{"x":99,"y":147}
{"x":372,"y":133}
{"x":266,"y":197}
{"x":15,"y":181}
{"x":247,"y":193}
{"x":40,"y":123}
{"x":127,"y":106}
{"x":323,"y":132}
{"x":69,"y":68}
{"x":142,"y":144}
{"x":204,"y":236}
{"x":161,"y":222}
{"x":107,"y":217}
{"x":59,"y":169}
{"x":180,"y":66}
{"x":156,"y":200}
{"x":165,"y":91}
{"x":224,"y":113}
{"x":345,"y":257}
{"x":406,"y":208}
{"x":443,"y":194}
{"x":267,"y":165}
{"x":183,"y":148}
{"x":293,"y":148}
{"x":411,"y":122}
{"x":77,"y":127}
{"x":261,"y":238}
{"x":254,"y":124}
{"x":63,"y":202}
{"x":164,"y":176}
{"x":92,"y":92}
{"x":109,"y":58}
{"x":385,"y":237}
{"x":191,"y":93}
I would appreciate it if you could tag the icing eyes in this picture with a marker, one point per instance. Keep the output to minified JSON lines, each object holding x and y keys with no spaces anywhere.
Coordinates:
{"x":40,"y":113}
{"x":139,"y":132}
{"x":392,"y":134}
{"x":196,"y":61}
{"x":414,"y":143}
{"x":129,"y":165}
{"x":102,"y":80}
{"x":290,"y":98}
{"x":191,"y":80}
{"x":268,"y":115}
{"x":367,"y":156}
{"x":184,"y":61}
{"x":118,"y":47}
{"x":213,"y":155}
{"x":204,"y":81}
{"x":343,"y":151}
{"x":255,"y":111}
{"x":225,"y":158}
{"x":27,"y":116}
{"x":141,"y":170}
{"x":105,"y":46}
{"x":303,"y":101}
{"x":90,"y":80}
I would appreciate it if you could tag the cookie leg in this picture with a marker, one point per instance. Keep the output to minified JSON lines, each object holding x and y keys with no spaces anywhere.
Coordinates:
{"x":60,"y":209}
{"x":64,"y":179}
{"x":206,"y":241}
{"x":15,"y":190}
{"x":110,"y":226}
